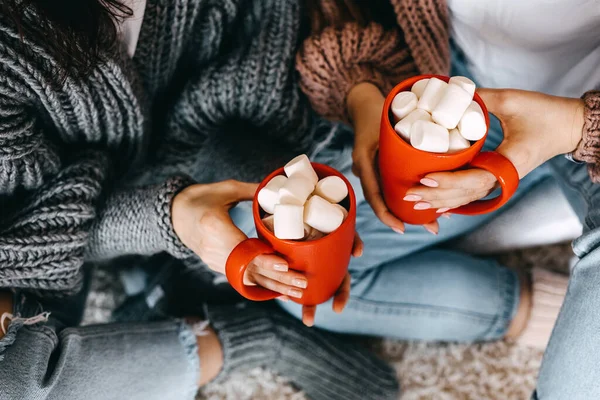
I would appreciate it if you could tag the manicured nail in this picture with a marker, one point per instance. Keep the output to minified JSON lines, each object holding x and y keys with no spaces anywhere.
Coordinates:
{"x":442,"y":210}
{"x":446,"y":215}
{"x":412,"y":197}
{"x":280,"y":267}
{"x":429,"y":182}
{"x":295,"y":293}
{"x":430,"y":230}
{"x":284,"y":298}
{"x":301,"y":283}
{"x":397,"y":230}
{"x":422,"y":206}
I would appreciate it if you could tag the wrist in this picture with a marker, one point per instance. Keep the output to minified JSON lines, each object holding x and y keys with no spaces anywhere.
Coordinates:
{"x":575,"y":129}
{"x":363,"y":98}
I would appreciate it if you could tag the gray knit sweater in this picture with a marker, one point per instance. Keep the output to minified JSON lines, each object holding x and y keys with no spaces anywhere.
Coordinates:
{"x":87,"y":168}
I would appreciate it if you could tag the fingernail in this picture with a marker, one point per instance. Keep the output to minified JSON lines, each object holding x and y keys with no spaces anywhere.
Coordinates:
{"x":446,"y":215}
{"x":430,"y":230}
{"x":422,"y":206}
{"x":429,"y":182}
{"x":412,"y":197}
{"x":295,"y":293}
{"x":400,"y":231}
{"x":284,"y":298}
{"x":301,"y":283}
{"x":442,"y":210}
{"x":280,"y":267}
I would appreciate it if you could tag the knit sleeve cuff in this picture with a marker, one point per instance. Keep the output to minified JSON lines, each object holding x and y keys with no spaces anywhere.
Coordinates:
{"x":588,"y":149}
{"x":165,"y":199}
{"x":336,"y":60}
{"x":138,"y":221}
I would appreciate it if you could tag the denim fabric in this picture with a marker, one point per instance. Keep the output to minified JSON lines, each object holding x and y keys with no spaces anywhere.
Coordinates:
{"x":570,"y":366}
{"x":55,"y":361}
{"x":409,"y":286}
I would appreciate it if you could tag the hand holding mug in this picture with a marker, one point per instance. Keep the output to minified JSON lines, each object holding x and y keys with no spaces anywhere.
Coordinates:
{"x":402,"y":166}
{"x":201,"y":220}
{"x":536,"y":128}
{"x":324,"y":261}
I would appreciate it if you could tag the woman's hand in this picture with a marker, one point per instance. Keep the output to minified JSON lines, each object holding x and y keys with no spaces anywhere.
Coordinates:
{"x":536,"y":128}
{"x":365,"y":106}
{"x":201,"y":220}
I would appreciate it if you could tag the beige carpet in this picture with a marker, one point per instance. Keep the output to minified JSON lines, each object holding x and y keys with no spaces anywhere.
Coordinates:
{"x":491,"y":371}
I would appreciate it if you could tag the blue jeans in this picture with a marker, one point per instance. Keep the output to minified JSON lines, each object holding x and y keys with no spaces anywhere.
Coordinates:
{"x":570,"y":366}
{"x":411,"y":287}
{"x":58,"y":360}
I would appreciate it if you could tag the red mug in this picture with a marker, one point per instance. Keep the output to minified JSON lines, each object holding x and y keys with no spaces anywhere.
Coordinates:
{"x":324,"y":261}
{"x":402,"y":166}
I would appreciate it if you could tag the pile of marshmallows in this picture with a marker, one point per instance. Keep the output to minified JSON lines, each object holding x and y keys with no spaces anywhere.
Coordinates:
{"x":439,"y":117}
{"x":302,"y":206}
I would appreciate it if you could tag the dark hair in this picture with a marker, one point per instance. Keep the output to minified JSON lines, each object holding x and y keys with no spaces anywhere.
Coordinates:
{"x":359,"y":11}
{"x":78,"y":32}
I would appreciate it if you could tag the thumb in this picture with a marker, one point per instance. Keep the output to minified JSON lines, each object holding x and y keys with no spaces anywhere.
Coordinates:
{"x":240,"y":191}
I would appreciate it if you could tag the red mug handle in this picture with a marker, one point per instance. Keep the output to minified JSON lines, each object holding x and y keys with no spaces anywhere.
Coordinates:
{"x":238,"y":262}
{"x":507,"y":176}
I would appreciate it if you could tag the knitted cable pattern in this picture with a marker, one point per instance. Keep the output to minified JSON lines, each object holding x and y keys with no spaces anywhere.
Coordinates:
{"x":588,"y":149}
{"x":426,"y":28}
{"x":49,"y":195}
{"x":331,"y":62}
{"x":125,"y":214}
{"x":212,"y":89}
{"x":334,"y":61}
{"x":243,"y":116}
{"x":43,"y":236}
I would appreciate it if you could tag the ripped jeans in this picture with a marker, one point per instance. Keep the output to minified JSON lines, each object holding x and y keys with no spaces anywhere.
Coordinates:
{"x":56,"y":360}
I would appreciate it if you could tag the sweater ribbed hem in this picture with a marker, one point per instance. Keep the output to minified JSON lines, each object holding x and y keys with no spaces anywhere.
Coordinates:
{"x":334,"y":61}
{"x":588,"y":149}
{"x":165,"y":199}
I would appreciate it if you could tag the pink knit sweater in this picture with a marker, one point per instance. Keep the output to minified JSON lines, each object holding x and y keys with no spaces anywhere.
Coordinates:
{"x":333,"y":61}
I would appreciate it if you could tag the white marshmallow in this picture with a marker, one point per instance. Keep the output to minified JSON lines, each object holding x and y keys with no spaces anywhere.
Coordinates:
{"x":429,"y":136}
{"x":451,"y":106}
{"x":301,"y":166}
{"x":269,"y":222}
{"x":403,"y":127}
{"x":403,"y":104}
{"x":432,"y":94}
{"x":288,"y":221}
{"x":332,"y":188}
{"x":464,"y":82}
{"x":295,"y":190}
{"x":343,"y":210}
{"x":419,"y":86}
{"x":472,"y":124}
{"x":322,"y":215}
{"x":457,"y":142}
{"x":268,"y":196}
